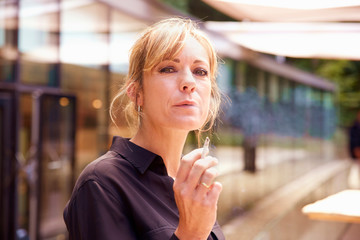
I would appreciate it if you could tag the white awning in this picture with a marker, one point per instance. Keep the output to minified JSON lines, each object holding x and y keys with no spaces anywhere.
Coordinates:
{"x":301,"y":40}
{"x":289,"y":10}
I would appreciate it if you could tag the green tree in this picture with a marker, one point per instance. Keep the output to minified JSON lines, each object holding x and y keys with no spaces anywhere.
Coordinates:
{"x":346,"y":75}
{"x":181,"y":5}
{"x":198,"y":9}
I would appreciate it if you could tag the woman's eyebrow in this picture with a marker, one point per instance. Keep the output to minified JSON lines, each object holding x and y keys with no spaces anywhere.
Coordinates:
{"x":200,"y":61}
{"x":196,"y":61}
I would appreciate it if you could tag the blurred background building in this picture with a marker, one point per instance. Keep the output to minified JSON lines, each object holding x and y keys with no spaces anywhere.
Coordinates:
{"x":61,"y":61}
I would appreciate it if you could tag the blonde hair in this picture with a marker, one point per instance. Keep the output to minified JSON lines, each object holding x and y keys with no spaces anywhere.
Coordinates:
{"x":161,"y":41}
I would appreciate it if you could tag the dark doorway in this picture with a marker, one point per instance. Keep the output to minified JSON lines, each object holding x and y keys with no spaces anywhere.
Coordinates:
{"x":7,"y":165}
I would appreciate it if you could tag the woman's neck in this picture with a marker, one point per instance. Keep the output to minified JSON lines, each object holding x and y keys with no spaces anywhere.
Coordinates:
{"x":166,"y":143}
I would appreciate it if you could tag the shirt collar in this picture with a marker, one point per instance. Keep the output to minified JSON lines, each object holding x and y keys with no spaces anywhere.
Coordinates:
{"x":139,"y":157}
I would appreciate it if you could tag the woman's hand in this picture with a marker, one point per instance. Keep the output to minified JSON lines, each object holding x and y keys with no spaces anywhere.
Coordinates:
{"x":196,"y":196}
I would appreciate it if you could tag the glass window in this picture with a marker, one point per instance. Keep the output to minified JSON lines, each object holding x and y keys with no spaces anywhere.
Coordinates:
{"x":123,"y":33}
{"x":261,"y":84}
{"x":52,"y":164}
{"x":38,"y":41}
{"x":285,"y":90}
{"x":225,"y":75}
{"x":274,"y":88}
{"x":84,"y":34}
{"x":240,"y":76}
{"x":55,"y":168}
{"x":251,"y":77}
{"x":24,"y":157}
{"x":121,"y":128}
{"x":328,"y":100}
{"x":267,"y":84}
{"x":300,"y":95}
{"x":85,"y":72}
{"x":8,"y":51}
{"x":90,"y":85}
{"x":120,"y":44}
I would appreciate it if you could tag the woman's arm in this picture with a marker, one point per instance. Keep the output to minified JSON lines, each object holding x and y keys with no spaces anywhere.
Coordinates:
{"x":94,"y":213}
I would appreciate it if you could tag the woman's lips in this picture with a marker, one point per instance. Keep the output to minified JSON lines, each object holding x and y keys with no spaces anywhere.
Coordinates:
{"x":185,"y":104}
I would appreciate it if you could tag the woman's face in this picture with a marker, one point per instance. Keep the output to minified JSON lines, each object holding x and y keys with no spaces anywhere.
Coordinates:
{"x":176,"y":93}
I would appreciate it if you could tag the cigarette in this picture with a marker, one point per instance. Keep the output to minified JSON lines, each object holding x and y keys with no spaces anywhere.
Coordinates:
{"x":206,"y":147}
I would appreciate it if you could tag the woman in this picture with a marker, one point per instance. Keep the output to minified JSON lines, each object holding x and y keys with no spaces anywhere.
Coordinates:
{"x":143,"y":188}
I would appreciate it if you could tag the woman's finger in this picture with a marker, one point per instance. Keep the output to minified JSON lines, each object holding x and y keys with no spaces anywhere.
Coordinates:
{"x":214,"y":193}
{"x":209,"y":176}
{"x":197,"y":170}
{"x":186,"y":164}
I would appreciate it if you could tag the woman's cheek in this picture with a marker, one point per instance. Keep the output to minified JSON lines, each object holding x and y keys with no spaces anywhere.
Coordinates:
{"x":206,"y":109}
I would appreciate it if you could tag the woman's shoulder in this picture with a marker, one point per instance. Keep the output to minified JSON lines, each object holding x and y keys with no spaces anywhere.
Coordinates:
{"x":106,"y":170}
{"x":100,"y":182}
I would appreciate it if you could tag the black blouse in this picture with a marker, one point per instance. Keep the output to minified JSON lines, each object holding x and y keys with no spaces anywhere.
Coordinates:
{"x":125,"y":194}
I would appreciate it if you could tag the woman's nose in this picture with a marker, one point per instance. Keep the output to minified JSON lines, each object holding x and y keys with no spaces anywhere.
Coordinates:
{"x":188,"y":83}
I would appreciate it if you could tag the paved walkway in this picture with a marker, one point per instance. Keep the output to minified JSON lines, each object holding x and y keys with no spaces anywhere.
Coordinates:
{"x":231,"y":158}
{"x":287,"y":179}
{"x":266,"y":214}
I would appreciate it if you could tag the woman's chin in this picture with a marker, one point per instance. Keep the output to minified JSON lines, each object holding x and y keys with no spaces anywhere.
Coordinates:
{"x":187,"y":124}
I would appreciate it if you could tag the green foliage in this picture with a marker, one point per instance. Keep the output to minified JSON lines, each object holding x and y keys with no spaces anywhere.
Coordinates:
{"x":198,"y":9}
{"x":181,"y":5}
{"x":346,"y":75}
{"x":227,"y":138}
{"x":203,"y":11}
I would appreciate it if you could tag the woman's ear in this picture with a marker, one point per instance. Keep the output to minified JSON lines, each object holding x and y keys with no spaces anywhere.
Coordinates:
{"x":131,"y":92}
{"x":139,"y":99}
{"x":134,"y":94}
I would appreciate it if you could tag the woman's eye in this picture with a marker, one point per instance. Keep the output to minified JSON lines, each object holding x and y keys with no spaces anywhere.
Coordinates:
{"x":167,"y":70}
{"x":201,"y":72}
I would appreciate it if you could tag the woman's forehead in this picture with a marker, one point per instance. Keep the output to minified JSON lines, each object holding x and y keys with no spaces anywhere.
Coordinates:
{"x":191,"y":49}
